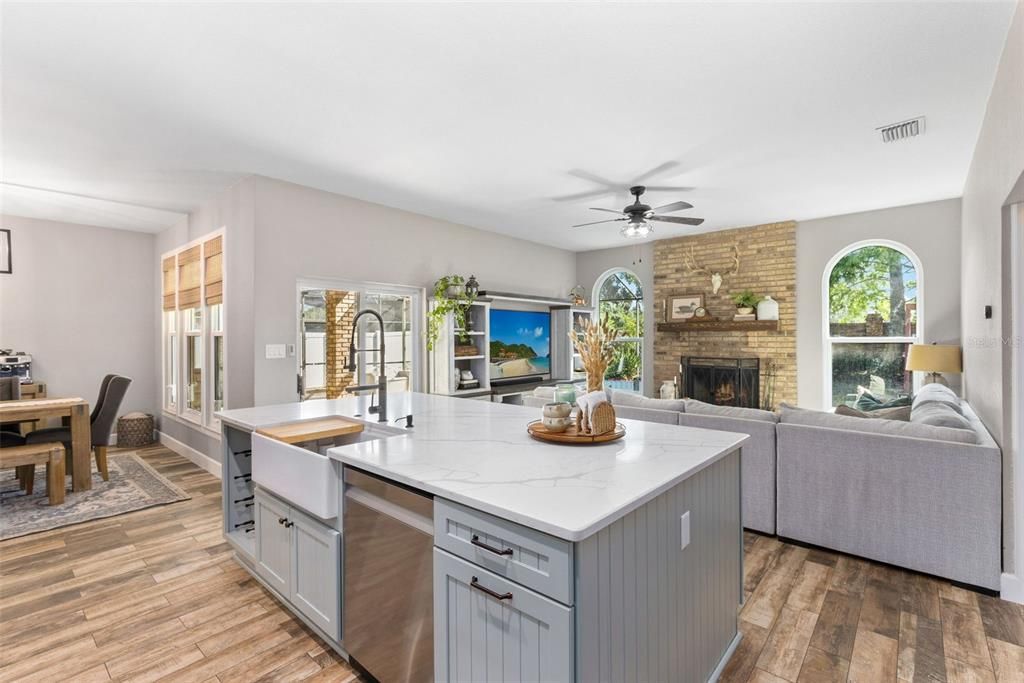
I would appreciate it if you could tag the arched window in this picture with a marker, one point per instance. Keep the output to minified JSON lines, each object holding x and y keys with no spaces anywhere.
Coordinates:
{"x":872,"y":295}
{"x":619,"y":297}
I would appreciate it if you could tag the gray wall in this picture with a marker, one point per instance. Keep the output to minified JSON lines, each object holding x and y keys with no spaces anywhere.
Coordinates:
{"x":931,"y":230}
{"x":306,"y":233}
{"x":995,"y":168}
{"x":80,"y":301}
{"x":638,"y":258}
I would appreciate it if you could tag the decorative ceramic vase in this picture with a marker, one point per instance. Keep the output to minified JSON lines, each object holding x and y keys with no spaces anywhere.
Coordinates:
{"x":744,"y":310}
{"x":668,"y":389}
{"x":565,"y":392}
{"x":558,"y":409}
{"x":768,"y":309}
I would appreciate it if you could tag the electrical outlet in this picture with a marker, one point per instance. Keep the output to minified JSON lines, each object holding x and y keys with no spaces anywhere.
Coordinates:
{"x":275,"y":351}
{"x":684,"y":530}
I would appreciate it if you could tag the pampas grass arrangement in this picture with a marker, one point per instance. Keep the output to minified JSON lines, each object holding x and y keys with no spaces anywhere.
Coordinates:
{"x":594,"y":344}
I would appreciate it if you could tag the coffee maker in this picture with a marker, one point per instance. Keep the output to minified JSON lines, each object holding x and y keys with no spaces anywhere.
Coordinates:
{"x":16,"y":365}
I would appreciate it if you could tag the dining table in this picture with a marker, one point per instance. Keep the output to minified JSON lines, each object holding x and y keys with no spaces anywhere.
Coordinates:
{"x":77,"y":411}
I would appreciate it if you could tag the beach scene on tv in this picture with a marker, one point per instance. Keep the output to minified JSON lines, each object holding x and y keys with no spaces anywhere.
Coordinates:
{"x":520,"y":343}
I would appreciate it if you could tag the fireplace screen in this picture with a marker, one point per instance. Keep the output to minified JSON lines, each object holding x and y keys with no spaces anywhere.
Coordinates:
{"x":721,"y":381}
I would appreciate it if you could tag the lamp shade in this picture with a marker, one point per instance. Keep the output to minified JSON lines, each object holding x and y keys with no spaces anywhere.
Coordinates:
{"x":934,"y":358}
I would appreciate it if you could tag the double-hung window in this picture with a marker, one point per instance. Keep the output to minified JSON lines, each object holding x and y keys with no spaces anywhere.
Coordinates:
{"x":194,"y":352}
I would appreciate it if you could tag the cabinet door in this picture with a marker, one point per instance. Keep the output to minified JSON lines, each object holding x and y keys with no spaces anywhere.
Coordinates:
{"x":316,"y":573}
{"x":273,"y":543}
{"x":521,"y":636}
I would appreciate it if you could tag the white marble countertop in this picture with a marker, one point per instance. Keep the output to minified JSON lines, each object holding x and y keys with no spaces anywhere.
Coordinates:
{"x":479,"y":454}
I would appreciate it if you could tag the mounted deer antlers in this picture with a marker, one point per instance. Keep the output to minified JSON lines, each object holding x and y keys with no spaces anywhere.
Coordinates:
{"x":690,"y":264}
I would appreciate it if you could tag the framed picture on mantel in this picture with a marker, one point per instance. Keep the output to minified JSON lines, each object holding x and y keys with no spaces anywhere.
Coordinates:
{"x":680,"y":307}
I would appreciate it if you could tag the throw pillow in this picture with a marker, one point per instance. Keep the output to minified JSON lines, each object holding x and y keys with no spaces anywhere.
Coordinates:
{"x":901,"y":413}
{"x":868,"y":402}
{"x":634,"y":400}
{"x":939,"y":415}
{"x":938,"y":394}
{"x":700,"y":408}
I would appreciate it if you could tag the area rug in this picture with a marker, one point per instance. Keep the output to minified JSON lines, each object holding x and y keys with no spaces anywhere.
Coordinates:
{"x":133,"y":485}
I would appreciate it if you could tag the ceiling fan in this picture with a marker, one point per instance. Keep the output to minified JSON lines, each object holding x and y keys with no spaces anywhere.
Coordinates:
{"x":637,"y":215}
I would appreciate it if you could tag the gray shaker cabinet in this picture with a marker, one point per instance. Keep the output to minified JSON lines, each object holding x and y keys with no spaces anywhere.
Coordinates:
{"x":488,"y":629}
{"x":300,"y":558}
{"x":273,"y":543}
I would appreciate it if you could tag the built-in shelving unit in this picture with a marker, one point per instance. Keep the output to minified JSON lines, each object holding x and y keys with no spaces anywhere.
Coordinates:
{"x":721,"y":326}
{"x":444,"y":362}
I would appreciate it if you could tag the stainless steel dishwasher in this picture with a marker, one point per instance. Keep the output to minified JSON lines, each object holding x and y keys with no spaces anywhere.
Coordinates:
{"x":388,"y":605}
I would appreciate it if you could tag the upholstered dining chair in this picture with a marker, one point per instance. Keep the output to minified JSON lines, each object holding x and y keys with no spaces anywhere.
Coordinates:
{"x":112,"y":392}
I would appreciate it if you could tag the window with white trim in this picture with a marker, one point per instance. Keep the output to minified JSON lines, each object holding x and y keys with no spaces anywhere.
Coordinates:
{"x":619,"y":296}
{"x":194,"y":351}
{"x":872,"y":293}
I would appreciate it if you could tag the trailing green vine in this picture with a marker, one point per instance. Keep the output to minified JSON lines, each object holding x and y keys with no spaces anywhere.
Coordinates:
{"x":450,"y":296}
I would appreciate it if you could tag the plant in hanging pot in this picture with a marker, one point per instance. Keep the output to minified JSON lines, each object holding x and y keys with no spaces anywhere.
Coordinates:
{"x":450,"y":296}
{"x":746,"y":301}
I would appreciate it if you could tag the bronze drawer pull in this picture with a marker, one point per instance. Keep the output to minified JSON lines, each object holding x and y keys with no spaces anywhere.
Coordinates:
{"x":489,"y":548}
{"x":497,"y":596}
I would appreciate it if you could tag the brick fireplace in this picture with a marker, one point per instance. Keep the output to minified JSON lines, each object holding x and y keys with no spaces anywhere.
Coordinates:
{"x":722,"y":381}
{"x":767,"y":266}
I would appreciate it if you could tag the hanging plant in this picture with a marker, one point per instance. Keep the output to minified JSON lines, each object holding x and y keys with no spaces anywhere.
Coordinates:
{"x":450,"y":296}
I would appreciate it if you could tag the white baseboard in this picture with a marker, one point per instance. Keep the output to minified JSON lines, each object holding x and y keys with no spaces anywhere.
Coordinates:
{"x":1012,"y":588}
{"x":201,"y":459}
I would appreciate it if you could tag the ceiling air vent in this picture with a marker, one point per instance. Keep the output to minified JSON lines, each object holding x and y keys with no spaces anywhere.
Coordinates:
{"x":902,"y":130}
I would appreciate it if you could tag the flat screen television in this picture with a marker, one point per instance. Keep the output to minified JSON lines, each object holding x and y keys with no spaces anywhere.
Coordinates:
{"x":520,"y":346}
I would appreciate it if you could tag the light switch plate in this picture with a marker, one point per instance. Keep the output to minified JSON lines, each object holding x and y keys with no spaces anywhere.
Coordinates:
{"x":684,"y":530}
{"x":291,"y":350}
{"x":275,"y":351}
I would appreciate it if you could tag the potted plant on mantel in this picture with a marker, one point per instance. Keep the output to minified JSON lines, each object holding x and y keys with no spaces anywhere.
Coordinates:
{"x":746,"y":301}
{"x":450,"y":296}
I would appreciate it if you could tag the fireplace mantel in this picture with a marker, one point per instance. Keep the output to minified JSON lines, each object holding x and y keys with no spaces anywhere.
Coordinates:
{"x":721,"y":326}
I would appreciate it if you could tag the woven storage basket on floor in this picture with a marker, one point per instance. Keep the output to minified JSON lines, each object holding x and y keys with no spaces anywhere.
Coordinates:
{"x":134,"y":430}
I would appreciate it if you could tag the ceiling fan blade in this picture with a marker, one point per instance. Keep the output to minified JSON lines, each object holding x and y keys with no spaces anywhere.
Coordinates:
{"x":669,"y":188}
{"x":594,"y":178}
{"x":581,"y":195}
{"x":594,"y":208}
{"x":674,"y":206}
{"x":613,"y":220}
{"x":677,"y":219}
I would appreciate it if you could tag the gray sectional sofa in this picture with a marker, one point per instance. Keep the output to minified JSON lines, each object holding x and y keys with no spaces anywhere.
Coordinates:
{"x":923,"y":494}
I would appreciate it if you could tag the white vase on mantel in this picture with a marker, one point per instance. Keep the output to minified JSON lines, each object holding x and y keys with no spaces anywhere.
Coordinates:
{"x":768,"y":309}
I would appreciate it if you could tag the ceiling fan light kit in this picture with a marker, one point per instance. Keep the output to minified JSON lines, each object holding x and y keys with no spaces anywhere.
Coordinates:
{"x":638,"y":216}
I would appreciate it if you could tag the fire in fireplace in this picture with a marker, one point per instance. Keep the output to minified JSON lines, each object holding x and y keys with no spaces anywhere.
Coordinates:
{"x":721,"y":381}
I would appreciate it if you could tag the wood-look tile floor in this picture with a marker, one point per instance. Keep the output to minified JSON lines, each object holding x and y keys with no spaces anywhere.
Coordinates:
{"x":146,"y":596}
{"x":154,"y":595}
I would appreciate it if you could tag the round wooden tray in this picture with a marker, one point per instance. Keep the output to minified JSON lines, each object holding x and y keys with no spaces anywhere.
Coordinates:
{"x":537,"y":430}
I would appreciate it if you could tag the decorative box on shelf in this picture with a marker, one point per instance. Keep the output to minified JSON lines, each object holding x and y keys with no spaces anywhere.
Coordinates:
{"x":466,"y":350}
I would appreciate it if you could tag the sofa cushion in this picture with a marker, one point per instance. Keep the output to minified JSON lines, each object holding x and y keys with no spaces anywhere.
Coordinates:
{"x":939,"y":415}
{"x":815,"y":418}
{"x":901,"y":413}
{"x":938,"y":394}
{"x":634,"y":400}
{"x":701,"y":408}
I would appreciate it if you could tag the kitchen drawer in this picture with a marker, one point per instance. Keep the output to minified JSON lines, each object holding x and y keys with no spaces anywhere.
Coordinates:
{"x":524,"y":555}
{"x":488,"y":629}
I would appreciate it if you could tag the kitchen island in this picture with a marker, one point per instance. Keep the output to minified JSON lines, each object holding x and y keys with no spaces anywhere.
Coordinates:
{"x":620,"y":561}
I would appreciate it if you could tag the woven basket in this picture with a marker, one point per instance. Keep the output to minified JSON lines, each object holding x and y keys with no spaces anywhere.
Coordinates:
{"x":602,"y":420}
{"x":134,"y":430}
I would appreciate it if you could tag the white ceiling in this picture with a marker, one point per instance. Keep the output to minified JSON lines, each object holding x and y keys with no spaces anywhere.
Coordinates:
{"x":491,"y":115}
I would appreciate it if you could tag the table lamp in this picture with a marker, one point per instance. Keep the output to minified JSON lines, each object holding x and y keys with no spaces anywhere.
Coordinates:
{"x":934,"y":359}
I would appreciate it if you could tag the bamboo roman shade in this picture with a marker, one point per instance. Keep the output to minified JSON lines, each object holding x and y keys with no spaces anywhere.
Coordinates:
{"x":170,"y":283}
{"x":213,"y":254}
{"x":188,"y":277}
